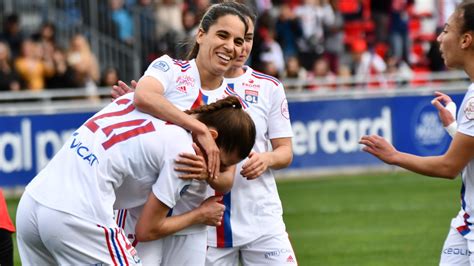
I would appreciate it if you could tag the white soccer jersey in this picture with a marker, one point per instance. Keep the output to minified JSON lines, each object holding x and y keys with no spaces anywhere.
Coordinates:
{"x":465,"y":219}
{"x":253,"y":207}
{"x":182,"y":83}
{"x":197,"y":192}
{"x":179,"y":78}
{"x":118,"y":156}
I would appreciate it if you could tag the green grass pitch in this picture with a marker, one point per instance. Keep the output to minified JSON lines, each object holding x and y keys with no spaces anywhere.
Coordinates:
{"x":394,"y":218}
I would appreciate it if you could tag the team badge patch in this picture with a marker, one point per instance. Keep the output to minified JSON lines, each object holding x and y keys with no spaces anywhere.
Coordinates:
{"x":161,"y":65}
{"x":285,"y":112}
{"x":469,"y":109}
{"x":251,"y":96}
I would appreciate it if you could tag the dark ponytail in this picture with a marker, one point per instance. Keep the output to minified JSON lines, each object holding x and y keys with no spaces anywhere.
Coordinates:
{"x":236,"y":130}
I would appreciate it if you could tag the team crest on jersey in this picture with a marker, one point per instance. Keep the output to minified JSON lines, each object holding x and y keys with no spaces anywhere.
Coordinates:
{"x":469,"y":109}
{"x":251,"y":84}
{"x":251,"y":96}
{"x":161,"y":65}
{"x":285,"y":112}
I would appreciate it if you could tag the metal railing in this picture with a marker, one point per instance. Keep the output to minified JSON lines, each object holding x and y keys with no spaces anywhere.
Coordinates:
{"x":79,"y":99}
{"x":89,"y":18}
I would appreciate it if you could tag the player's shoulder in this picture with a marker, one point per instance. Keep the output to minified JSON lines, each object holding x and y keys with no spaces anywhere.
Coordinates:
{"x":166,"y":63}
{"x":263,"y":78}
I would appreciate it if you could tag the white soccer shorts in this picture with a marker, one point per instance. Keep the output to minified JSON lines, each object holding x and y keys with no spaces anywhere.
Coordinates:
{"x":50,"y":237}
{"x":272,"y":249}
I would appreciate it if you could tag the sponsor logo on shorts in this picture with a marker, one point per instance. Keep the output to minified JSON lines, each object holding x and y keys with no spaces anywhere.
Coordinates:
{"x":161,"y":65}
{"x":456,"y":251}
{"x":276,"y":253}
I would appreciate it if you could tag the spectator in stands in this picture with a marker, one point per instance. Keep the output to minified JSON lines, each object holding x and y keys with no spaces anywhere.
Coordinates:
{"x":399,"y":39}
{"x":272,"y":54}
{"x":320,"y":76}
{"x":9,"y":78}
{"x":82,"y":61}
{"x":47,"y":34}
{"x":288,"y":30}
{"x":145,"y":9}
{"x":63,"y":74}
{"x":169,"y":28}
{"x":12,"y":34}
{"x":123,"y":21}
{"x":314,"y":15}
{"x":110,"y":77}
{"x":168,"y":17}
{"x":380,"y":11}
{"x":190,"y":28}
{"x":366,"y":65}
{"x":295,"y":73}
{"x":334,"y":38}
{"x":32,"y":66}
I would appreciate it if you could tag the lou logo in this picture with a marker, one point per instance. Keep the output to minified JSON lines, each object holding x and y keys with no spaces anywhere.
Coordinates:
{"x":251,"y":96}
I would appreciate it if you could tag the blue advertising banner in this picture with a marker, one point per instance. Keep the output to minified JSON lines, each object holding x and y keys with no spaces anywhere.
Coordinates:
{"x":326,"y":134}
{"x":27,"y":143}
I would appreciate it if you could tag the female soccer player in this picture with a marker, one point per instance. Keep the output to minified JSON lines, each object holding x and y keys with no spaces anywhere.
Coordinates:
{"x":457,"y":48}
{"x":253,"y":225}
{"x":118,"y":158}
{"x":246,"y":232}
{"x":219,"y":40}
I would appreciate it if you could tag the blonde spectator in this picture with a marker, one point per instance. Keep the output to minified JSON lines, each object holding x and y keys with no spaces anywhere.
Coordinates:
{"x":32,"y":68}
{"x":9,"y":79}
{"x":82,"y":61}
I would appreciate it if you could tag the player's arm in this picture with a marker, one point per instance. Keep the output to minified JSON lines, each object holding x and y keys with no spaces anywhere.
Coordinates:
{"x":449,"y":165}
{"x":153,"y":223}
{"x":280,"y":157}
{"x":149,"y":98}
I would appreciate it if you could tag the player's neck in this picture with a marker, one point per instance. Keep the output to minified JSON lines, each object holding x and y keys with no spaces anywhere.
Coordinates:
{"x":234,"y":72}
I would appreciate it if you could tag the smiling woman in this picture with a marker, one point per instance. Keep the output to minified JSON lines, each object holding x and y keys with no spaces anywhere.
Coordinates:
{"x":219,"y":40}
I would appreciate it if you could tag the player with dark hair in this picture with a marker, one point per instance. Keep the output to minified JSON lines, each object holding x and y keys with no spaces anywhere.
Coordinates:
{"x":118,"y":159}
{"x":457,"y":48}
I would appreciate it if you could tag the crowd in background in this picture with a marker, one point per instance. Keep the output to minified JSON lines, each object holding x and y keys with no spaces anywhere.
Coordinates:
{"x":294,"y":39}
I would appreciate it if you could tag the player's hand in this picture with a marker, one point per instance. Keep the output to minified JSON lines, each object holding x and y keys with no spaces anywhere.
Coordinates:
{"x":441,"y":102}
{"x":206,"y":142}
{"x":254,"y":166}
{"x":211,"y":211}
{"x":192,"y":166}
{"x":380,"y":148}
{"x":122,"y":88}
